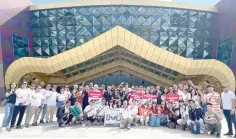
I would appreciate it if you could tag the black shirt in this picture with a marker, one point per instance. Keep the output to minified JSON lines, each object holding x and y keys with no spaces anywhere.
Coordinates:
{"x":195,"y":114}
{"x":107,"y":96}
{"x":12,"y":98}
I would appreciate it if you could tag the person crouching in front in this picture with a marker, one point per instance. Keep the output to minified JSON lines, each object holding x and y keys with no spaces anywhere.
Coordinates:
{"x":101,"y":112}
{"x":77,"y":113}
{"x":183,"y":119}
{"x":212,"y":121}
{"x":196,"y":117}
{"x":126,"y":116}
{"x":90,"y":112}
{"x":64,"y":114}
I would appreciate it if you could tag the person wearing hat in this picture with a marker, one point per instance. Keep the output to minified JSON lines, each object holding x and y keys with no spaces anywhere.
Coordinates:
{"x":183,"y":119}
{"x":228,"y":106}
{"x":213,"y":98}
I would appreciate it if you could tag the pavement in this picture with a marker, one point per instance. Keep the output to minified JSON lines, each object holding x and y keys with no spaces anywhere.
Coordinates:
{"x":97,"y":131}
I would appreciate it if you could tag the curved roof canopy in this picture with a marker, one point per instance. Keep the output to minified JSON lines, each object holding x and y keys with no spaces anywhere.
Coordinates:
{"x":123,"y":38}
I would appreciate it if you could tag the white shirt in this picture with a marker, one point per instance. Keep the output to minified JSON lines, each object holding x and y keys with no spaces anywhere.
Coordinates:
{"x":23,"y":93}
{"x":102,"y":110}
{"x":134,"y":110}
{"x":126,"y":113}
{"x":45,"y":94}
{"x":227,"y":99}
{"x":52,"y":100}
{"x":90,"y":110}
{"x":39,"y":97}
{"x":61,"y":97}
{"x":183,"y":111}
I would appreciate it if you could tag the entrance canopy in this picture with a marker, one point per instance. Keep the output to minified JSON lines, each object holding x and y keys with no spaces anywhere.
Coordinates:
{"x":118,"y":50}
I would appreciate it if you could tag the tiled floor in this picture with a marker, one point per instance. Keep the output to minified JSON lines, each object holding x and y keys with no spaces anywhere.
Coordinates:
{"x":95,"y":131}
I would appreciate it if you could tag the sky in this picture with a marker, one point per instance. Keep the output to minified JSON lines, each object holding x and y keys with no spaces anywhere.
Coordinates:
{"x":201,"y":2}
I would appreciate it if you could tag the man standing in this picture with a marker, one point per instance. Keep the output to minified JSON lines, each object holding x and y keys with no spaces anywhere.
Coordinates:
{"x":126,"y":116}
{"x":51,"y":104}
{"x":36,"y":105}
{"x":212,"y":121}
{"x":228,"y":104}
{"x":28,"y":106}
{"x":22,"y":96}
{"x":108,"y":95}
{"x":213,"y":98}
{"x":45,"y":94}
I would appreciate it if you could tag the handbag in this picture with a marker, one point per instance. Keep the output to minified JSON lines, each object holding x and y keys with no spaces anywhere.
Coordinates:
{"x":4,"y":102}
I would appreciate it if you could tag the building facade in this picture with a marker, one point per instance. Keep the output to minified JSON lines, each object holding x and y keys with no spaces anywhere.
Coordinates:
{"x":162,"y":33}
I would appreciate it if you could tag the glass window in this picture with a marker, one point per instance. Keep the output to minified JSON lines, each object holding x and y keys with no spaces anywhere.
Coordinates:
{"x":20,"y":47}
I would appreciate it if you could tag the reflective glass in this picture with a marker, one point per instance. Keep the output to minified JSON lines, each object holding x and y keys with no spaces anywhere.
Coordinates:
{"x":164,"y":27}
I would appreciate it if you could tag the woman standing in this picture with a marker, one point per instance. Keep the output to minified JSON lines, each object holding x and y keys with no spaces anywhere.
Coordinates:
{"x":61,"y":98}
{"x":85,"y":97}
{"x":9,"y":107}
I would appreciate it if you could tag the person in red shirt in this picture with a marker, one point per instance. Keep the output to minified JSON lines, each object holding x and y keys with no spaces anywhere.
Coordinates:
{"x":155,"y":115}
{"x":164,"y":114}
{"x":143,"y":114}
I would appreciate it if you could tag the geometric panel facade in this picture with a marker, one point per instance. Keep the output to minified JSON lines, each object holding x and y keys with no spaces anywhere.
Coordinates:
{"x":189,"y":33}
{"x":224,"y":51}
{"x":21,"y":47}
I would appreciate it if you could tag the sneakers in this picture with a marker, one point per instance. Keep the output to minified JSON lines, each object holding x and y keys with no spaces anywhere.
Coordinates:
{"x":18,"y":127}
{"x":218,"y":135}
{"x":26,"y":125}
{"x":228,"y":134}
{"x":34,"y":124}
{"x":4,"y":129}
{"x":128,"y":127}
{"x":41,"y":122}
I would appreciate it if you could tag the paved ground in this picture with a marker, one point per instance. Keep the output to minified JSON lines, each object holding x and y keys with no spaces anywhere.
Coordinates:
{"x":51,"y":130}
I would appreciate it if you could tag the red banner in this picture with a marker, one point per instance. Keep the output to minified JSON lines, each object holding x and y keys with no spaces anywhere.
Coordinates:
{"x":96,"y":96}
{"x":172,"y":98}
{"x":137,"y":96}
{"x":149,"y":99}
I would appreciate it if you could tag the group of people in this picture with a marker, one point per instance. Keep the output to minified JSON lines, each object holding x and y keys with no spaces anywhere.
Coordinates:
{"x":197,"y":110}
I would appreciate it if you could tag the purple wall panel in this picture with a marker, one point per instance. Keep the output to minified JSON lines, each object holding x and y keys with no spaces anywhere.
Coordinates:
{"x":227,"y":25}
{"x":14,"y":19}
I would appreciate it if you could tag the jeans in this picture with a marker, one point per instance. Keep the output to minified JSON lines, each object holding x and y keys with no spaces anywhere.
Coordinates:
{"x":18,"y":110}
{"x":230,"y":119}
{"x":60,"y":104}
{"x":8,"y":111}
{"x":155,"y":121}
{"x":163,"y":120}
{"x":44,"y":111}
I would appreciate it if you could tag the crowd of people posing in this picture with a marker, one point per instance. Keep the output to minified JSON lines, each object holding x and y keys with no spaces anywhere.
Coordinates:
{"x":197,"y":110}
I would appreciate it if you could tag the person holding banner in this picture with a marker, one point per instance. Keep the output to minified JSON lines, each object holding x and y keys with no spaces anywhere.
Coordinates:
{"x":126,"y":116}
{"x":90,"y":112}
{"x":101,"y":112}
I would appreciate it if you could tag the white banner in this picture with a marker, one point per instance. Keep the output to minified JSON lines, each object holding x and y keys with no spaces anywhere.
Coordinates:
{"x":112,"y":116}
